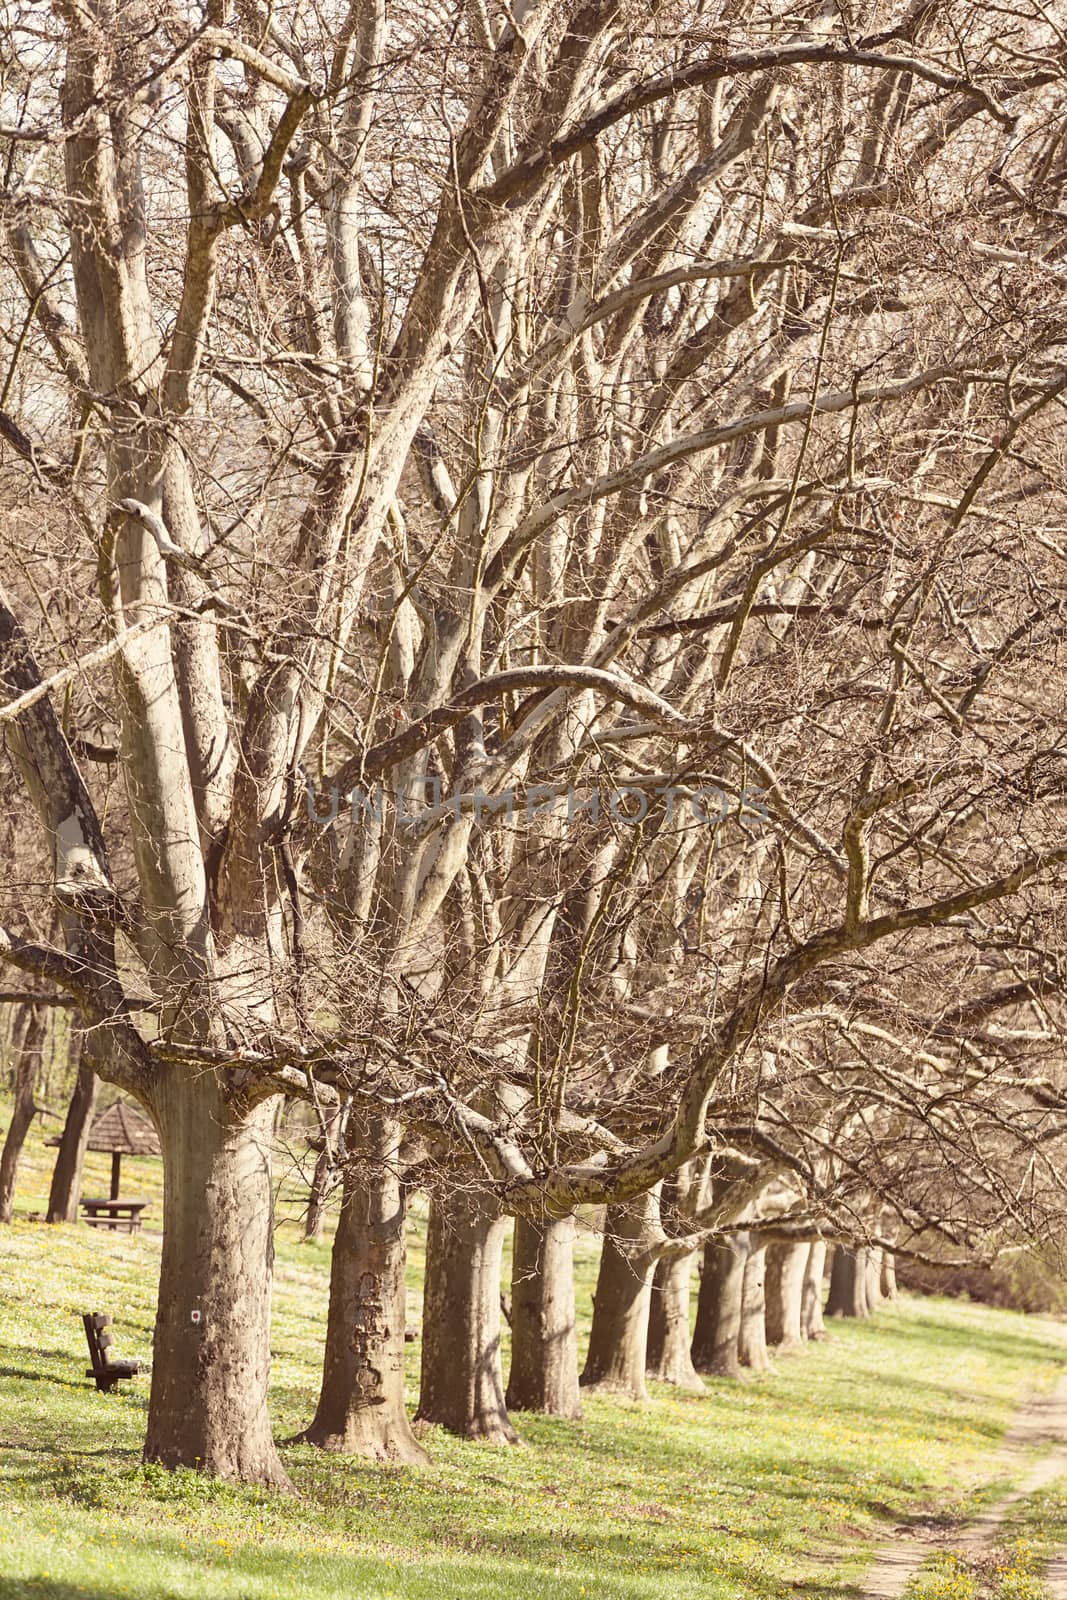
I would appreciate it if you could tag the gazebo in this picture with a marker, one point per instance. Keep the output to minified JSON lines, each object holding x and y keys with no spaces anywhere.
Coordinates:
{"x":122,"y":1130}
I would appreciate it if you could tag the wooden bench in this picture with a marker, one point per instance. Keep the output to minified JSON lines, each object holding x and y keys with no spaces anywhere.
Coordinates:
{"x":105,"y":1369}
{"x":123,"y":1216}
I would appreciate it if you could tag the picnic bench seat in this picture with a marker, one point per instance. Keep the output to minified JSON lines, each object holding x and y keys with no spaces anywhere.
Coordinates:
{"x":105,"y":1368}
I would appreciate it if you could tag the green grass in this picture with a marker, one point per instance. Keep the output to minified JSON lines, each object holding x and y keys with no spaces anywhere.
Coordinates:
{"x":757,"y":1491}
{"x":1010,"y":1571}
{"x":1040,"y":1521}
{"x":1034,"y":1529}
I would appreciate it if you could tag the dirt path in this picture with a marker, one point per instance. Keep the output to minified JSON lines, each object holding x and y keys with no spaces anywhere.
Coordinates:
{"x":1041,"y":1422}
{"x":1056,"y":1578}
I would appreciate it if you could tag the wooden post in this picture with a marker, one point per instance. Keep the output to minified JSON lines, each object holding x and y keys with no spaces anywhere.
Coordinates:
{"x":116,"y":1165}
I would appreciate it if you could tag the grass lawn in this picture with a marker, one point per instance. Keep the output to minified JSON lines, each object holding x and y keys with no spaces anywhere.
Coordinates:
{"x":768,"y":1488}
{"x":1031,"y":1532}
{"x":1014,"y":1564}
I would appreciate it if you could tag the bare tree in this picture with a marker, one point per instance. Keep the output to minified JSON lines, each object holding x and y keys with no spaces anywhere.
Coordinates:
{"x":633,"y":447}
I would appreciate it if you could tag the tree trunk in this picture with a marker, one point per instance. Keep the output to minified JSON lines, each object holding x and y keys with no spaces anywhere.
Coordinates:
{"x":811,"y":1321}
{"x":718,"y":1320}
{"x":211,"y":1360}
{"x":615,"y":1360}
{"x":361,"y":1403}
{"x":59,"y":1058}
{"x":544,"y":1332}
{"x":786,"y":1264}
{"x":889,"y":1275}
{"x":669,"y":1341}
{"x":27,"y":1062}
{"x":848,"y":1283}
{"x":872,"y":1268}
{"x":462,"y":1385}
{"x":315,"y":1219}
{"x":316,"y":1211}
{"x":752,"y":1338}
{"x":65,"y":1192}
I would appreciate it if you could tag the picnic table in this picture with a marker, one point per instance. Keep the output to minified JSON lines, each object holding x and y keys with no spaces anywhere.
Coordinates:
{"x":118,"y":1215}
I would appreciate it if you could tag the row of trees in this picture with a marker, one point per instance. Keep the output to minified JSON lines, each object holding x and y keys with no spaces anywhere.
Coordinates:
{"x":758,"y":1290}
{"x":533,"y":588}
{"x":45,"y":1059}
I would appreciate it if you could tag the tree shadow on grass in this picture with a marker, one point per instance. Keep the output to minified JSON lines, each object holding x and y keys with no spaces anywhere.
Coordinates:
{"x":34,"y":1377}
{"x":64,"y":1367}
{"x":800,"y":1586}
{"x":51,"y":1449}
{"x":33,"y":1470}
{"x":66,"y":1356}
{"x":39,"y":1588}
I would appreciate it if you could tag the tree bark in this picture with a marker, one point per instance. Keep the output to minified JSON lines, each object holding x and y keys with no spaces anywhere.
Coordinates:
{"x":361,"y":1403}
{"x":873,"y":1277}
{"x":315,"y":1218}
{"x":544,"y":1332}
{"x":752,"y":1338}
{"x":618,"y":1340}
{"x":316,"y":1211}
{"x":462,"y":1385}
{"x":848,"y":1283}
{"x":889,"y":1275}
{"x":211,"y":1358}
{"x":718,"y":1320}
{"x":668,"y":1357}
{"x":786,"y":1264}
{"x":27,"y":1062}
{"x":811,"y":1320}
{"x":65,"y":1190}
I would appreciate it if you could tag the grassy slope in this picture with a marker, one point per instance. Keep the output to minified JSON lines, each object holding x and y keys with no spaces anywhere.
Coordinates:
{"x":753,"y":1491}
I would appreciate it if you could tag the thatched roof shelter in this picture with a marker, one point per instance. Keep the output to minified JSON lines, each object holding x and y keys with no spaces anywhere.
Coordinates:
{"x":122,"y":1130}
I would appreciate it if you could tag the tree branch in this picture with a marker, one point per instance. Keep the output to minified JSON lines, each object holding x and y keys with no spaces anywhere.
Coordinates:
{"x":534,"y":165}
